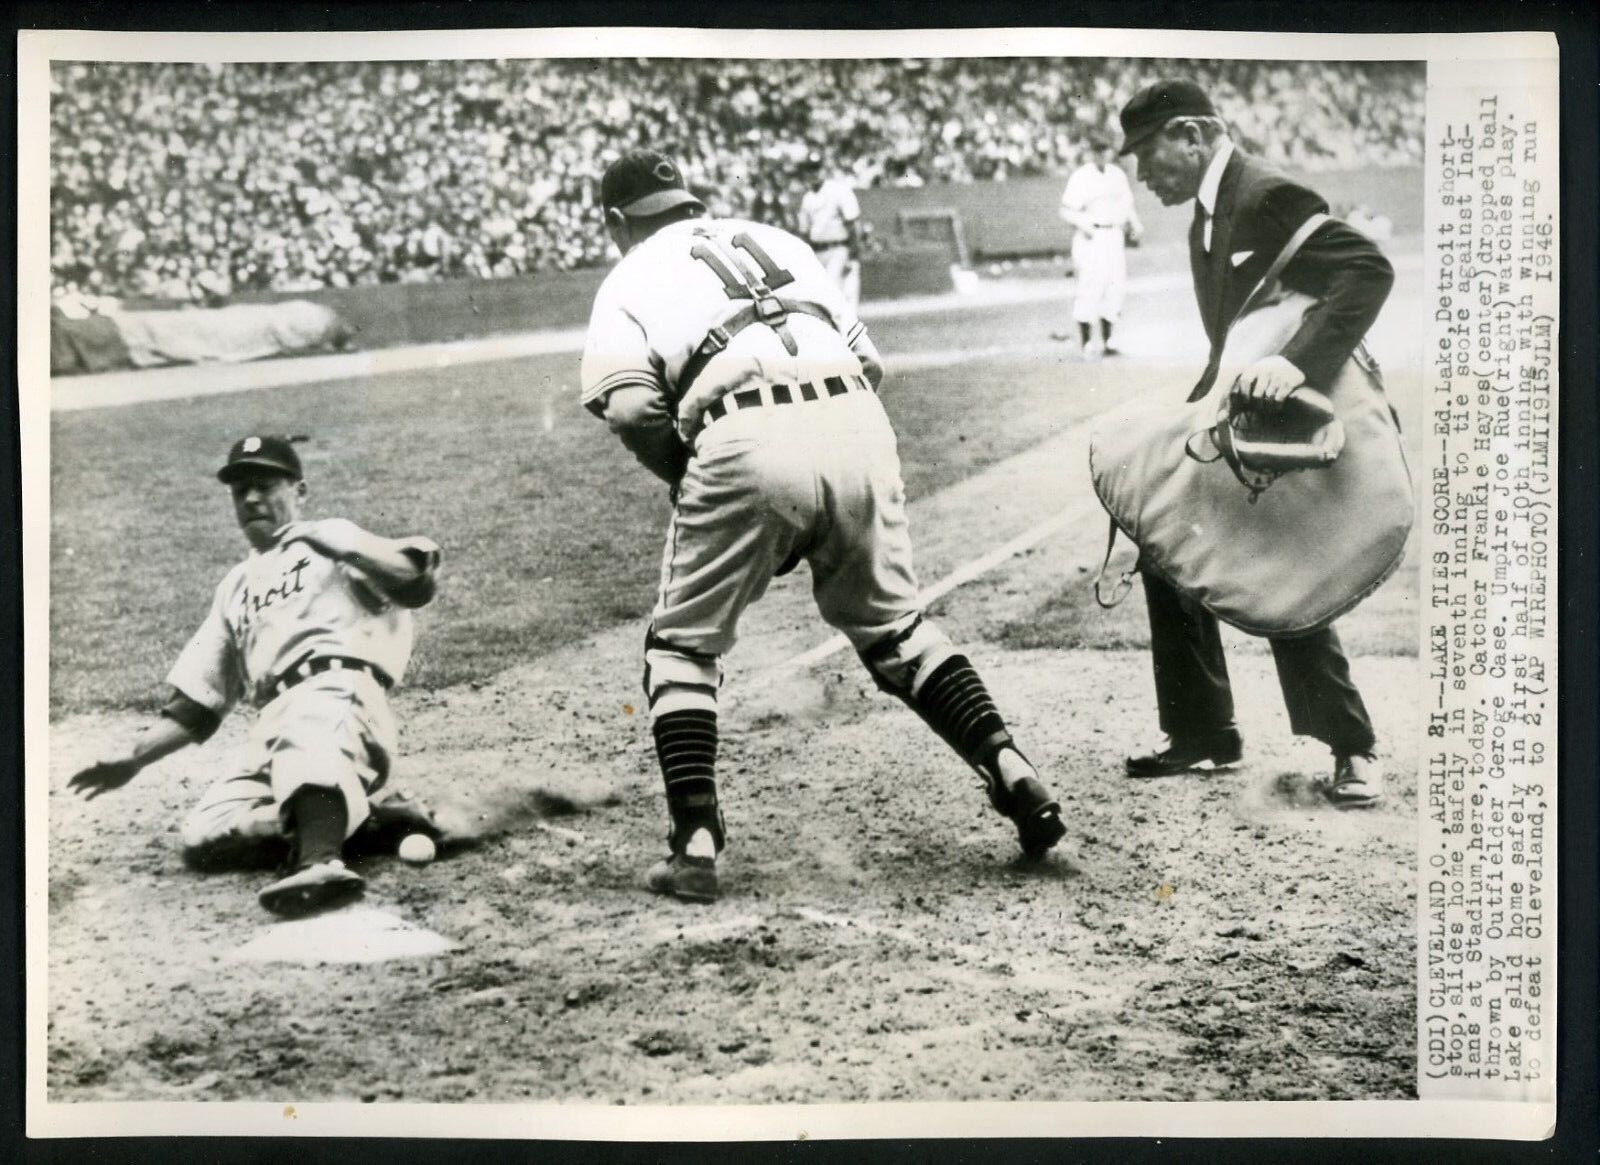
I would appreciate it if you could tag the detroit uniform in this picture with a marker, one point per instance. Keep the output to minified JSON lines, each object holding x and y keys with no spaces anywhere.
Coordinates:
{"x":1099,"y":203}
{"x":315,"y":646}
{"x":827,"y":220}
{"x":312,"y":628}
{"x":736,"y":331}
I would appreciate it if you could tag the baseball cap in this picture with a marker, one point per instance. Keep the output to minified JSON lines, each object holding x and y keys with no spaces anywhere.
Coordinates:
{"x":1155,"y":105}
{"x":644,"y":183}
{"x":271,"y":453}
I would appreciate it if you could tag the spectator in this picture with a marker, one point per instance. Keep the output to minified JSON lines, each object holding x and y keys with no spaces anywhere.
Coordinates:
{"x":334,"y":174}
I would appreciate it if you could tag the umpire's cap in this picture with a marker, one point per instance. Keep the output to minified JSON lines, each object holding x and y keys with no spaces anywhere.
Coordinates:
{"x":644,"y":183}
{"x":274,"y":454}
{"x":1155,"y":105}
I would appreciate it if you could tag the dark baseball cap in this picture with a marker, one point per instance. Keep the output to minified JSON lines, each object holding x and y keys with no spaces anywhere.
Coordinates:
{"x":1155,"y":105}
{"x":644,"y":183}
{"x":274,"y":454}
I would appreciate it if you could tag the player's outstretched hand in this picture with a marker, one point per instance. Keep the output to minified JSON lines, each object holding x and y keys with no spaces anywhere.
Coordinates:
{"x":104,"y":776}
{"x":335,"y":537}
{"x":1270,"y":379}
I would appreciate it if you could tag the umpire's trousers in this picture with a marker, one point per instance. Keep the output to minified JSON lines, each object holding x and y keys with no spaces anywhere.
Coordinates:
{"x":1195,"y":698}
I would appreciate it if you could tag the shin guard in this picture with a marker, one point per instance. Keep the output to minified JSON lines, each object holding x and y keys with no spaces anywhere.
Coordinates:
{"x":686,"y":746}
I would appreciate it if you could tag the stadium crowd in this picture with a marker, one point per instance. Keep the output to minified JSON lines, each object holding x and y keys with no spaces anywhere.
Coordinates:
{"x":188,"y":181}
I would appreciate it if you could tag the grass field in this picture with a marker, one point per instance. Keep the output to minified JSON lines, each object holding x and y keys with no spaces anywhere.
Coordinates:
{"x":550,"y":531}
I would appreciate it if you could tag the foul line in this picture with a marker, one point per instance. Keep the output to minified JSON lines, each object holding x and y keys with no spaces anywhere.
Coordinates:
{"x":1026,"y":540}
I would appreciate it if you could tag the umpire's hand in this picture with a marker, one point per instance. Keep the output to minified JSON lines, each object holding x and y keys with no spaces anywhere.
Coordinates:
{"x":1267,"y":380}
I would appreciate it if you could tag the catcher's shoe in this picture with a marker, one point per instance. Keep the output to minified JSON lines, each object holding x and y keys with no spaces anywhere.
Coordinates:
{"x":313,"y":887}
{"x":1036,"y":814}
{"x":1357,"y":783}
{"x":690,"y":876}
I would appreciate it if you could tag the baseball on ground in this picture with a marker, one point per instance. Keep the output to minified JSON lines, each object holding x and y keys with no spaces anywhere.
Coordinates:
{"x":417,"y":849}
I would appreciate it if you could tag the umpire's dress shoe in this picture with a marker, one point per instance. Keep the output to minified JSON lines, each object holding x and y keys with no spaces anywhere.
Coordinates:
{"x":1189,"y":754}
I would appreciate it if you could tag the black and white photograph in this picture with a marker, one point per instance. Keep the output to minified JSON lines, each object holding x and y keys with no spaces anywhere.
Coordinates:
{"x":645,"y":581}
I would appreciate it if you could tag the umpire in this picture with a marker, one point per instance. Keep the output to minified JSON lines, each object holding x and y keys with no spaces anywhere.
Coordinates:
{"x":1244,"y":214}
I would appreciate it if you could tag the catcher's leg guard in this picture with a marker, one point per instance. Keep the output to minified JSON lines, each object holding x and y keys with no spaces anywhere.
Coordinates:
{"x":945,"y":690}
{"x":686,"y":746}
{"x":682,"y":689}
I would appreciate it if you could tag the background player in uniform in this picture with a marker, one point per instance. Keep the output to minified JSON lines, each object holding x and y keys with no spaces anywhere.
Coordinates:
{"x":1099,"y":204}
{"x":312,"y":628}
{"x":723,"y":355}
{"x":830,"y":220}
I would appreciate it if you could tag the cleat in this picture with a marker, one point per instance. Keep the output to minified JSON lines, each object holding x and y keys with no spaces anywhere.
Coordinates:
{"x":313,"y":887}
{"x":1037,"y":816}
{"x":1357,"y":783}
{"x":690,"y":876}
{"x":1220,"y":751}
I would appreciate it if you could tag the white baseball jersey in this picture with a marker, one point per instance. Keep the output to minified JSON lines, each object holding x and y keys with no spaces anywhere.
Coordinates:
{"x":827,"y":212}
{"x":660,"y":302}
{"x":1101,"y":196}
{"x":284,"y":605}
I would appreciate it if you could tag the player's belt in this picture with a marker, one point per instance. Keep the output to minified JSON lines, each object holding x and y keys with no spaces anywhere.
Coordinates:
{"x":826,"y":244}
{"x":767,"y":309}
{"x":783,"y":394}
{"x":303,"y":671}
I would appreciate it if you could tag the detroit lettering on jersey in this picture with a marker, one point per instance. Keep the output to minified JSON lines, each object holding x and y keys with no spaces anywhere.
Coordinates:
{"x":290,"y":584}
{"x":282,"y":605}
{"x":667,"y":293}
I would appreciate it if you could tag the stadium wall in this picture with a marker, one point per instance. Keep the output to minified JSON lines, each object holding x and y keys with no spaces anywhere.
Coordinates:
{"x":1000,"y":219}
{"x":1019,"y":217}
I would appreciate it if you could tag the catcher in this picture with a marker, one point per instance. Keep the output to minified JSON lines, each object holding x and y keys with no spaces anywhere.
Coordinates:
{"x":726,"y":360}
{"x":313,"y":628}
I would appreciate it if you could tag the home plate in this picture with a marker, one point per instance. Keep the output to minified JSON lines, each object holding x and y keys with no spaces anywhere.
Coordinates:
{"x":356,"y":934}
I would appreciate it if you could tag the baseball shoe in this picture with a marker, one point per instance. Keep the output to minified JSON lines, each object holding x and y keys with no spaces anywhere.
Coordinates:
{"x":1357,"y":783}
{"x":690,"y":876}
{"x":1219,"y":751}
{"x":313,"y":887}
{"x":1035,"y":813}
{"x":1093,"y":351}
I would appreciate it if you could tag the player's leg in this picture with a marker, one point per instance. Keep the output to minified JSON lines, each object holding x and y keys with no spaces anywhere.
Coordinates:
{"x":330,"y":743}
{"x":851,"y":284}
{"x":235,"y":824}
{"x":743,"y":506}
{"x":1116,"y":288}
{"x":1092,"y":287}
{"x":1080,"y":322}
{"x":865,"y":585}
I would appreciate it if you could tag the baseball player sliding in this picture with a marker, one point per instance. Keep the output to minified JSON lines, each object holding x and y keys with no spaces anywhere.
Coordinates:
{"x":1099,"y":204}
{"x":313,"y":628}
{"x":725,"y":359}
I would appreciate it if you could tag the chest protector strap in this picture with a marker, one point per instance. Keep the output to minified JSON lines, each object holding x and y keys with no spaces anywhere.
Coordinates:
{"x":769,"y":309}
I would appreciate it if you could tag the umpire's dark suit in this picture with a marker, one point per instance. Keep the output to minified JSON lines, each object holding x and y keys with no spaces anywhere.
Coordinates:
{"x":1256,"y":211}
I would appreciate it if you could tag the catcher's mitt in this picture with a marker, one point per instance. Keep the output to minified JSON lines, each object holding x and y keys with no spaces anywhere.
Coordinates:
{"x":1263,"y":440}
